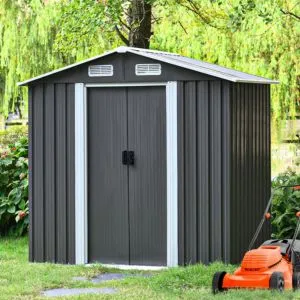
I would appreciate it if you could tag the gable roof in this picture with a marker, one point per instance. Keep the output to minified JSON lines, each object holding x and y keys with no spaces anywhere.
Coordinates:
{"x":173,"y":59}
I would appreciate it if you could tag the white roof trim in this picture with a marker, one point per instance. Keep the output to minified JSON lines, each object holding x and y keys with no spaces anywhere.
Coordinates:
{"x":166,"y":57}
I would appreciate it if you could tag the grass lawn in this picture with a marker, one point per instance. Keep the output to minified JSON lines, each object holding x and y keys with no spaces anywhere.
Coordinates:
{"x":22,"y":280}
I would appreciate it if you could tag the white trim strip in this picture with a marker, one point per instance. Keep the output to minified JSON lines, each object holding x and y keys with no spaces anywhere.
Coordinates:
{"x":80,"y":175}
{"x":172,"y":175}
{"x":134,"y":84}
{"x":81,"y":216}
{"x":131,"y":267}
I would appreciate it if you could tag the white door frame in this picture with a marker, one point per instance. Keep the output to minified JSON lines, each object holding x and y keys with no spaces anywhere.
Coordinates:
{"x":81,"y":214}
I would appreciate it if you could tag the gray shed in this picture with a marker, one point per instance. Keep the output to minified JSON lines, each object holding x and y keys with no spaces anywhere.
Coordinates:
{"x":142,"y":157}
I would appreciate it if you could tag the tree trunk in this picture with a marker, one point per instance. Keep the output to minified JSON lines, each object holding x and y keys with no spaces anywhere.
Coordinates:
{"x":140,"y":18}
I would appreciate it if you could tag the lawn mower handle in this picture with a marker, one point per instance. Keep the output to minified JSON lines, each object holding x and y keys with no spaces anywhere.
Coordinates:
{"x":267,"y":215}
{"x":296,"y":233}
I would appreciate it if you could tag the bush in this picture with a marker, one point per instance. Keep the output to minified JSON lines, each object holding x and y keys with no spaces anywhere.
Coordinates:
{"x":12,"y":135}
{"x":14,"y":189}
{"x":285,"y":204}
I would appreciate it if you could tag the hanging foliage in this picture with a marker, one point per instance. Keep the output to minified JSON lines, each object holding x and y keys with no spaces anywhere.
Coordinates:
{"x":27,"y":31}
{"x":258,"y":37}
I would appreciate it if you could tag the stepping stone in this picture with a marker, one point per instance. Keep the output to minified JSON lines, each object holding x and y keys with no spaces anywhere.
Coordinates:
{"x":115,"y":276}
{"x":73,"y":292}
{"x":107,"y":277}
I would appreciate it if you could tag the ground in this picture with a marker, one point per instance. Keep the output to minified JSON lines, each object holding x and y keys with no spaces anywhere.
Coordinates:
{"x":22,"y":280}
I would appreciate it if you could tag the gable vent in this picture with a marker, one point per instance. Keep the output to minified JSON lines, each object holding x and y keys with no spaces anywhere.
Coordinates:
{"x":147,"y":69}
{"x":101,"y":70}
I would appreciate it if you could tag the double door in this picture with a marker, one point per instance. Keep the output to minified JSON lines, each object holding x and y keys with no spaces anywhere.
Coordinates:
{"x":127,"y":207}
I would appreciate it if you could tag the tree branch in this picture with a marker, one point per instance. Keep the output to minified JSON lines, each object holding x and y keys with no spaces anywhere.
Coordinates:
{"x":195,"y":9}
{"x":182,"y":27}
{"x":124,"y":24}
{"x":122,"y":37}
{"x":289,"y":13}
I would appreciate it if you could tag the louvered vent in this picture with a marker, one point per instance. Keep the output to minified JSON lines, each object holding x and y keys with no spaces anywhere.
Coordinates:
{"x":101,"y":70}
{"x":147,"y":69}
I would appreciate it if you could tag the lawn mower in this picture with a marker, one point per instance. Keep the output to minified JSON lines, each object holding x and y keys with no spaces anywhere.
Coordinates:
{"x":274,"y":265}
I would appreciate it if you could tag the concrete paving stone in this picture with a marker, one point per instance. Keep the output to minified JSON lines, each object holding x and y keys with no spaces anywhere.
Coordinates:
{"x":74,"y":292}
{"x":115,"y":276}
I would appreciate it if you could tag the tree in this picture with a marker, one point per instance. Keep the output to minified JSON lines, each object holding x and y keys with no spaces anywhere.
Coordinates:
{"x":258,"y":37}
{"x":27,"y":33}
{"x":138,"y":24}
{"x":114,"y":20}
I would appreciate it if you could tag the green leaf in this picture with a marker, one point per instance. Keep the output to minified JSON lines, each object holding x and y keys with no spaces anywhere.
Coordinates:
{"x":11,"y":209}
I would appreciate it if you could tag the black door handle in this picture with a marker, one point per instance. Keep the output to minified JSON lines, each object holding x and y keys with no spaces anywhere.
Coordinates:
{"x":128,"y":157}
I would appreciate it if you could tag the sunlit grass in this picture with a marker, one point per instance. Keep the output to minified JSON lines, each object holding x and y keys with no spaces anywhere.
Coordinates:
{"x":22,"y":280}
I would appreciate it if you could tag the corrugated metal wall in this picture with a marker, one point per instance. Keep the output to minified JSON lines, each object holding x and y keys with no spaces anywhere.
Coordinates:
{"x":224,"y":168}
{"x":250,"y":163}
{"x":203,"y":114}
{"x":52,"y":198}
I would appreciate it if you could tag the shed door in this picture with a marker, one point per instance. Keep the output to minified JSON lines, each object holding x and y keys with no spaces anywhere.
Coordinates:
{"x":108,"y":229}
{"x":127,"y":203}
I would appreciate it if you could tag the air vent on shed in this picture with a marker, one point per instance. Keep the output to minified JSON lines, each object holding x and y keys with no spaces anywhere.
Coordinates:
{"x":101,"y":70}
{"x":147,"y":69}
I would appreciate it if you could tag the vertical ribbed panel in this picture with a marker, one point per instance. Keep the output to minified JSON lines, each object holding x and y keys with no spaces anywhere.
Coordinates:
{"x":38,"y":174}
{"x":30,"y":167}
{"x":51,"y":154}
{"x":202,"y":140}
{"x":250,"y":163}
{"x":181,"y":184}
{"x":49,"y":172}
{"x":61,"y":178}
{"x":226,"y":169}
{"x":215,"y":142}
{"x":203,"y":167}
{"x":190,"y":161}
{"x":71,"y":171}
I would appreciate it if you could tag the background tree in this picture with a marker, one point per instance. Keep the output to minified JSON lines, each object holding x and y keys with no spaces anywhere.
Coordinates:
{"x":259,"y":37}
{"x":27,"y":31}
{"x":115,"y":21}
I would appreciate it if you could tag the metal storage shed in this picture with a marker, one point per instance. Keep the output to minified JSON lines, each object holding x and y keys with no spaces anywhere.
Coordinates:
{"x":143,"y":157}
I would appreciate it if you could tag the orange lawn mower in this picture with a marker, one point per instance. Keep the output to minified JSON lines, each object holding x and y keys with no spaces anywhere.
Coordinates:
{"x":274,"y":265}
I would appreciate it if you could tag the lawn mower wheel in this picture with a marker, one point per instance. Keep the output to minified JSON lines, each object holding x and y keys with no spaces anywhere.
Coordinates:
{"x":217,"y":284}
{"x":277,"y":281}
{"x":296,"y":281}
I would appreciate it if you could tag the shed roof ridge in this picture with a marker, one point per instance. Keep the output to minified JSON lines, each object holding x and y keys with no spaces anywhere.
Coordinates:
{"x":153,"y":51}
{"x":173,"y":59}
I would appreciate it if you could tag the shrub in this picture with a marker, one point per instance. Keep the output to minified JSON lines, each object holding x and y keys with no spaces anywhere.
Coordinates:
{"x":285,"y":204}
{"x":14,"y":189}
{"x":12,"y":135}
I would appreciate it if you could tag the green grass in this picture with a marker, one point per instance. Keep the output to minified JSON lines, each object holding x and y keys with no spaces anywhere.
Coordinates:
{"x":22,"y":280}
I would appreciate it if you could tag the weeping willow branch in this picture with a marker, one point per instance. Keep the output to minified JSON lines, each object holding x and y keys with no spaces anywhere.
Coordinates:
{"x":289,"y":13}
{"x":122,"y":37}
